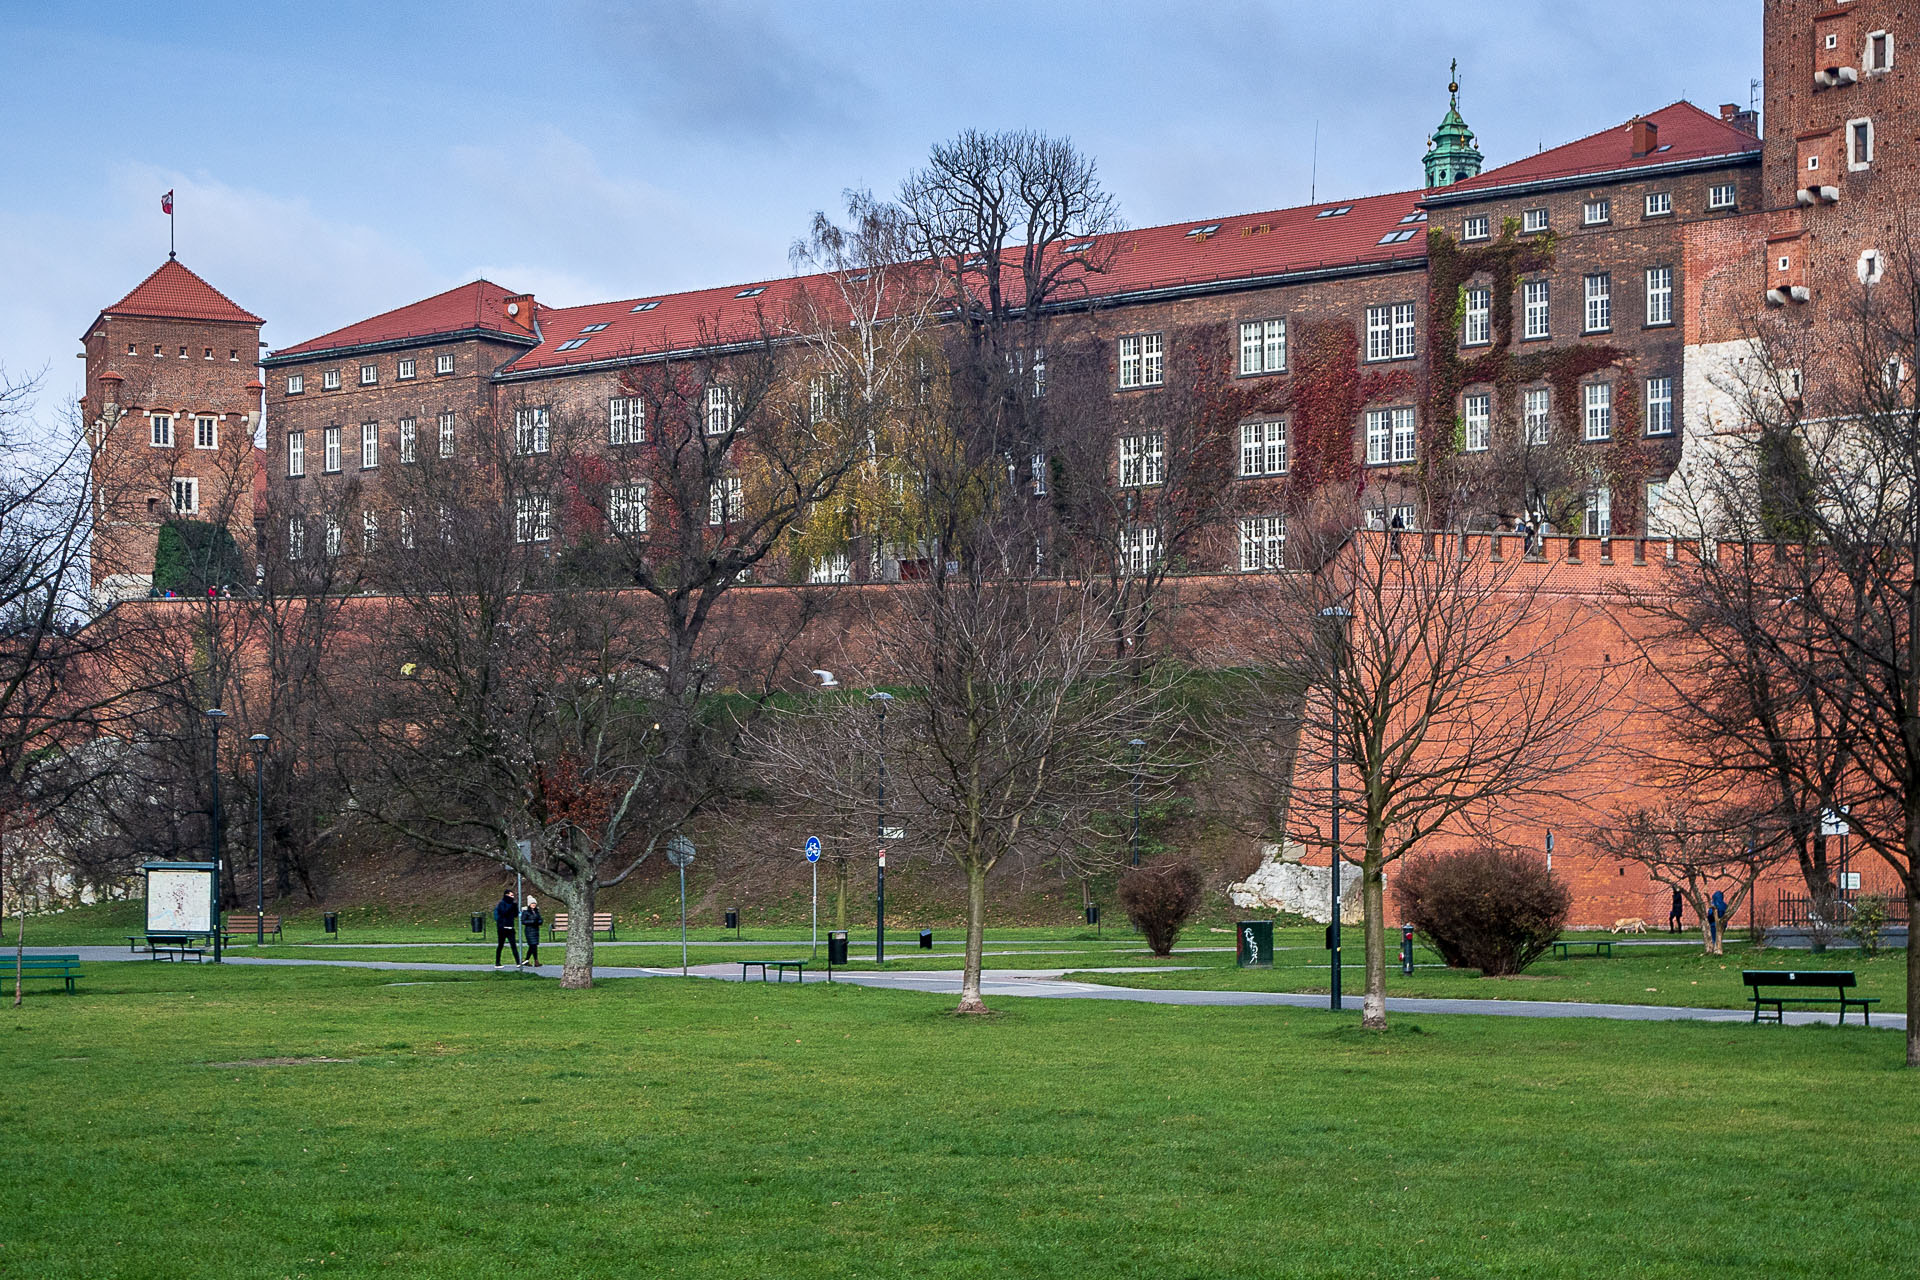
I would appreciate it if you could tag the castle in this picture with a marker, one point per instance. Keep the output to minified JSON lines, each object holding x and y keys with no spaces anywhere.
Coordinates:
{"x":1577,"y":304}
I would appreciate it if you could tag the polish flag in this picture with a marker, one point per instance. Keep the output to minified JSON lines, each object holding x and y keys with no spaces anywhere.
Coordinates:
{"x":166,"y":203}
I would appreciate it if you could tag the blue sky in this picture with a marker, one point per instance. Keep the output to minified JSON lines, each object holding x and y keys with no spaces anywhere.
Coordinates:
{"x":335,"y":160}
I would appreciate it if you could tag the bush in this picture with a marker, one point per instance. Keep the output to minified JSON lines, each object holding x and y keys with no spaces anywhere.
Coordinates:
{"x":1870,"y":916}
{"x":1159,"y":900}
{"x":1484,"y":909}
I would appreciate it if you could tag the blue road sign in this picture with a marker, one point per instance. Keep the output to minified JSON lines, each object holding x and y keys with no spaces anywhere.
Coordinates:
{"x":813,"y":848}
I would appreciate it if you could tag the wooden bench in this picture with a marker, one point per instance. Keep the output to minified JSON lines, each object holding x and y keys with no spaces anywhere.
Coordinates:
{"x":1799,"y":981}
{"x":779,"y":968}
{"x":243,"y":927}
{"x":178,"y":946}
{"x":59,"y":968}
{"x":602,"y":923}
{"x":1601,"y":947}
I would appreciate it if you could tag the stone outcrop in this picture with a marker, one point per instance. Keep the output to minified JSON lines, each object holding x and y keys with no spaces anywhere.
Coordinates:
{"x":1283,"y":883}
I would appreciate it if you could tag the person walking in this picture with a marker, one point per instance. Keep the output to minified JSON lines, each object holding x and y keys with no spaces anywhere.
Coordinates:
{"x":504,"y":912}
{"x":1674,"y":912}
{"x":1718,"y":910}
{"x":530,"y":922}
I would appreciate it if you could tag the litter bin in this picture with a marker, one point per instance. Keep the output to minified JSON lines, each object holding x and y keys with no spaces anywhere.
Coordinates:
{"x":330,"y":922}
{"x":1253,"y":942}
{"x":479,"y":922}
{"x":1093,"y":914}
{"x":733,"y":919}
{"x":836,"y":947}
{"x":926,"y":939}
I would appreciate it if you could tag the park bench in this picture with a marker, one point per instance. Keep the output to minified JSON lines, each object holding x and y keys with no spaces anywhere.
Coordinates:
{"x":602,"y":923}
{"x":59,"y":968}
{"x":178,"y":946}
{"x":1799,"y":981}
{"x":243,"y":927}
{"x":1563,"y":950}
{"x":779,"y":968}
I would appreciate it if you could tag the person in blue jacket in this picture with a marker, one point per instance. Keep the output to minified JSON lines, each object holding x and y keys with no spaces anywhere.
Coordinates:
{"x":1718,"y":910}
{"x":505,"y":912}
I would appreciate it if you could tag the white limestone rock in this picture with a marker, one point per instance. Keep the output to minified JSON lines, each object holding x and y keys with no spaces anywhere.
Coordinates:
{"x":1282,"y":883}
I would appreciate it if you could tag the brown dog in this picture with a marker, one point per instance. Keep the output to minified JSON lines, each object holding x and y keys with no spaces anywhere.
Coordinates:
{"x":1629,"y":924}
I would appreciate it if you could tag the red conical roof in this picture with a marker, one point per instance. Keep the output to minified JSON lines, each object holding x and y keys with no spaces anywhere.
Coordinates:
{"x":175,"y":293}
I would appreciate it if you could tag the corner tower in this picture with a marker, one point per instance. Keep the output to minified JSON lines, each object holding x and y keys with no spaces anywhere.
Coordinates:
{"x":1451,"y":155}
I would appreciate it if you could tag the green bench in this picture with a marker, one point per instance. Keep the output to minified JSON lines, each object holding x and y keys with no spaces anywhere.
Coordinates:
{"x":1601,"y":947}
{"x":779,"y":968}
{"x":1799,"y":981}
{"x":59,"y":968}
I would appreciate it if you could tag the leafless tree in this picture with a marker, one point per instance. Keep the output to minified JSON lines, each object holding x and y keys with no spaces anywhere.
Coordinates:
{"x":1696,"y":848}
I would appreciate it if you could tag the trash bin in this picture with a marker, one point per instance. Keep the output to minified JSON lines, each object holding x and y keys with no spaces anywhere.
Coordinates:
{"x":330,"y":922}
{"x":733,"y":918}
{"x":1253,"y":942}
{"x":926,"y":939}
{"x":836,"y":947}
{"x":479,"y":922}
{"x":1093,"y":914}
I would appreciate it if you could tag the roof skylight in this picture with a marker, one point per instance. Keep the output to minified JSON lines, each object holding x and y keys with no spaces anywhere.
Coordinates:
{"x":573,"y":344}
{"x":1078,"y":246}
{"x":1203,"y":232}
{"x":595,"y":328}
{"x":754,"y":292}
{"x":647,"y":306}
{"x":1334,"y":212}
{"x":1401,"y":236}
{"x":1418,"y":215}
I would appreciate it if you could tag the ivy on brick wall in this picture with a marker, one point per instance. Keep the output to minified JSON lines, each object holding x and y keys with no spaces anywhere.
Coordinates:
{"x":1329,"y":391}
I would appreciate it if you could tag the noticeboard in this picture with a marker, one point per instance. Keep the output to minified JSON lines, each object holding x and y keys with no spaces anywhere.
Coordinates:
{"x":180,"y":897}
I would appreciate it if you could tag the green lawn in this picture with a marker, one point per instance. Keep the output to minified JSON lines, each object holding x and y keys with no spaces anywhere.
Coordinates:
{"x":484,"y":1125}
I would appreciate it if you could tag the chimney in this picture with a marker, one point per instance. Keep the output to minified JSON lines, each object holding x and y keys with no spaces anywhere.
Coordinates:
{"x":519,"y":311}
{"x":1739,"y":117}
{"x":1646,"y":137}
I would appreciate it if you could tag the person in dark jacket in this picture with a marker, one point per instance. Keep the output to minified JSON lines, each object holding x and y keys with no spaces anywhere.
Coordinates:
{"x":530,"y":922}
{"x":504,"y":913}
{"x":1674,"y":912}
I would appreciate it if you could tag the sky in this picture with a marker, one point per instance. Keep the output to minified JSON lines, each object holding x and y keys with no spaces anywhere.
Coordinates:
{"x":335,"y":160}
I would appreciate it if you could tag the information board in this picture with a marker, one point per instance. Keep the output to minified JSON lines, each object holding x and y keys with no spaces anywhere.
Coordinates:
{"x":179,"y":900}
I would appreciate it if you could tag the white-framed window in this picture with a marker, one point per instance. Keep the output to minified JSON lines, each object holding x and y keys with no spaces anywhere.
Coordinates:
{"x":830,"y":569}
{"x":369,"y":530}
{"x":406,"y":368}
{"x":443,"y":364}
{"x":1141,"y":360}
{"x":1722,"y":195}
{"x":330,"y":449}
{"x":186,"y":495}
{"x":1536,"y":415}
{"x":296,"y":453}
{"x":1535,"y":317}
{"x":1390,"y":436}
{"x":1039,"y":366}
{"x":296,"y":538}
{"x":1476,"y":328}
{"x":296,"y":384}
{"x":1395,"y":517}
{"x":409,"y":439}
{"x":627,"y":507}
{"x":1659,"y":406}
{"x":1139,"y":548}
{"x":1878,"y":55}
{"x":533,"y":518}
{"x":330,"y":380}
{"x":446,"y":434}
{"x":726,"y":500}
{"x":1599,"y":521}
{"x":369,"y":445}
{"x":206,"y":432}
{"x":1533,"y":220}
{"x":1475,"y":228}
{"x":1596,"y":212}
{"x":406,"y":528}
{"x":333,"y":536}
{"x":1655,"y":516}
{"x":626,"y":420}
{"x":819,"y":396}
{"x":1476,"y":417}
{"x":718,"y":404}
{"x":1599,"y":400}
{"x":1859,"y":144}
{"x":1142,"y":460}
{"x":1263,"y":447}
{"x":1599,"y":314}
{"x":530,"y":430}
{"x":1263,"y":346}
{"x":1390,"y":332}
{"x":1659,"y":295}
{"x":1037,"y":469}
{"x":1659,"y":203}
{"x":1263,"y":543}
{"x":160,"y":430}
{"x":369,"y":375}
{"x":1871,"y":267}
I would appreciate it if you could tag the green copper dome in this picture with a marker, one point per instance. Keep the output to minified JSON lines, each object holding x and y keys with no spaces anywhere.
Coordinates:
{"x":1451,"y":155}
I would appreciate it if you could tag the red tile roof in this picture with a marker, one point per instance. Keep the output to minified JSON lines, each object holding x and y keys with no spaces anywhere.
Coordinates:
{"x":175,"y":293}
{"x":1685,"y":133}
{"x":1243,"y":247}
{"x":480,"y":305}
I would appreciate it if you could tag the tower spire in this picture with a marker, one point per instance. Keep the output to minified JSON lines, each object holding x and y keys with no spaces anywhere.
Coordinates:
{"x":1451,"y":155}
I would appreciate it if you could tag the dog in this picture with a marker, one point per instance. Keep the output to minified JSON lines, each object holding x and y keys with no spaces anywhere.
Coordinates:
{"x":1629,"y":924}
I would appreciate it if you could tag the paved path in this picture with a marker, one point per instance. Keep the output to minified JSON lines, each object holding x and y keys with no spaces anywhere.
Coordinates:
{"x":1049,"y":984}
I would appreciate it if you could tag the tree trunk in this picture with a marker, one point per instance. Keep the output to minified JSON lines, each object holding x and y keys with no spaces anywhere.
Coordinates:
{"x":1373,"y":1006}
{"x":840,"y":893}
{"x":1913,"y":967}
{"x":970,"y":1001}
{"x":577,"y":972}
{"x":20,"y":952}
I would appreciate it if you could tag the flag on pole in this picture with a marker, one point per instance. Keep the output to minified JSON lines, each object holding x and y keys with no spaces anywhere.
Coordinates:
{"x":166,"y":203}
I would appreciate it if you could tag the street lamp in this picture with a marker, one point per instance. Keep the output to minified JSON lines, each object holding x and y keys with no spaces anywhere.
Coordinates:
{"x":1136,"y":744}
{"x":1338,"y":617}
{"x":880,"y":701}
{"x":259,"y":743}
{"x":214,"y":716}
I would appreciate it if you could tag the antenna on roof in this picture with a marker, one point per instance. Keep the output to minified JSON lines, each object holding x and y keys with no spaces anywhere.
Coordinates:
{"x":1753,"y":95}
{"x":1313,"y":182}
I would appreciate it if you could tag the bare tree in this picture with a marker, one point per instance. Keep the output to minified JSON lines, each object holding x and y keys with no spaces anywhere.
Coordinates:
{"x":1696,"y":849}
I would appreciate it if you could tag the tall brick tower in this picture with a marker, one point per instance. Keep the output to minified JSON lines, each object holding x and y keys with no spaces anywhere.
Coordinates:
{"x":171,"y":404}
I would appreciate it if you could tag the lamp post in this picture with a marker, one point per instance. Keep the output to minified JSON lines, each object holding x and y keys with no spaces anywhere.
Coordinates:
{"x":880,"y":701}
{"x":214,"y":716}
{"x":1136,"y":744}
{"x":259,"y":742}
{"x":1338,"y":617}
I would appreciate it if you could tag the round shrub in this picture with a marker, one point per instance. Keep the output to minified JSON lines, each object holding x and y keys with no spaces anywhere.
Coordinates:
{"x":1159,"y":899}
{"x":1483,"y":909}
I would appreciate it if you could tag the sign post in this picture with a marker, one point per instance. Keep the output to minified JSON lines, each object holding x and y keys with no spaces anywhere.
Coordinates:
{"x":680,"y":853}
{"x":813,"y":861}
